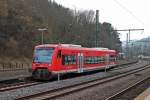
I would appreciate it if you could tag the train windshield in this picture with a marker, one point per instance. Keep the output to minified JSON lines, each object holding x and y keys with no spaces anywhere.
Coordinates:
{"x":43,"y":55}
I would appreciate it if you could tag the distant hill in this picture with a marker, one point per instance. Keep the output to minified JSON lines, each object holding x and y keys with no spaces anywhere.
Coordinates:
{"x":145,"y":39}
{"x":138,"y":47}
{"x":141,"y":41}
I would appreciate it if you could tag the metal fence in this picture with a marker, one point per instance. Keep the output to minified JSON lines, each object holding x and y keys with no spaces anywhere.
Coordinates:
{"x":14,"y":66}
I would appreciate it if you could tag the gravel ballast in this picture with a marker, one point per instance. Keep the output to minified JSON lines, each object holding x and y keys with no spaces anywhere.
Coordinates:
{"x":10,"y":95}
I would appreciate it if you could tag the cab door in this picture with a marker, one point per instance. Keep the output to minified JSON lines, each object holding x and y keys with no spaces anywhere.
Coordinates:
{"x":80,"y":62}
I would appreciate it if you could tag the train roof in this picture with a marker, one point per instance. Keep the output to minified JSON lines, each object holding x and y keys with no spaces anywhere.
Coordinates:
{"x":59,"y":45}
{"x":101,"y":48}
{"x":74,"y":46}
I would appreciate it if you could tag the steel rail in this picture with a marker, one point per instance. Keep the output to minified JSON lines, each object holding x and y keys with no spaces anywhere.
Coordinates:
{"x":51,"y":94}
{"x":127,"y":89}
{"x":124,"y":66}
{"x":20,"y":85}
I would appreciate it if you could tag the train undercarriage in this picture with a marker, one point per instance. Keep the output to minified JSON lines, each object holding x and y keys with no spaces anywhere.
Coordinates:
{"x":42,"y":74}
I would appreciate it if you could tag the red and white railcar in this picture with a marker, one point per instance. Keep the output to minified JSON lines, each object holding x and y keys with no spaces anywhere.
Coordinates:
{"x":51,"y":59}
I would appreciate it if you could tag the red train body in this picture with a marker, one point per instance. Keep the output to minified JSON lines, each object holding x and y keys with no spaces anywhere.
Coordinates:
{"x":51,"y":59}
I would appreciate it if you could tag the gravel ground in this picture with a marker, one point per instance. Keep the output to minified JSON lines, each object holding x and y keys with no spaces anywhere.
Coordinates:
{"x":130,"y":95}
{"x":102,"y":91}
{"x":12,"y":94}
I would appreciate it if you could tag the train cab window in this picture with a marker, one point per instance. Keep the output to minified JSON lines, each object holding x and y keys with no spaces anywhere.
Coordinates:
{"x":59,"y":54}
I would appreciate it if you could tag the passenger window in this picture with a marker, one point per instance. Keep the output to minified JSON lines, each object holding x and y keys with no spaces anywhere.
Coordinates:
{"x":68,"y":59}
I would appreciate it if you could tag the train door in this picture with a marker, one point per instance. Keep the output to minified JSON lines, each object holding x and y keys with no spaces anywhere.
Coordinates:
{"x":80,"y":62}
{"x":107,"y":62}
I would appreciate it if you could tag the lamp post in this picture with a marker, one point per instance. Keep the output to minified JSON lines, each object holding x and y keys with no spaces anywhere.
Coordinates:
{"x":97,"y":28}
{"x":42,"y":35}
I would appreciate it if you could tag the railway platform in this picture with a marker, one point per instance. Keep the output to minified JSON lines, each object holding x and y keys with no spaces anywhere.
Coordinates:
{"x":15,"y":70}
{"x":144,"y":96}
{"x":18,"y":74}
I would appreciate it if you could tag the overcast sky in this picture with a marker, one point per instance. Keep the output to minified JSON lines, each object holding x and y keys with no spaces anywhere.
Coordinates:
{"x":122,"y":14}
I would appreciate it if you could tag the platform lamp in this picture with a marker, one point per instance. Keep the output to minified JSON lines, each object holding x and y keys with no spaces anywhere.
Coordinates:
{"x":42,"y":35}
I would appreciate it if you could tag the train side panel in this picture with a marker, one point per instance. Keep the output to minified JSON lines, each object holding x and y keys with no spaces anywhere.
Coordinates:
{"x":62,"y":59}
{"x":65,"y":60}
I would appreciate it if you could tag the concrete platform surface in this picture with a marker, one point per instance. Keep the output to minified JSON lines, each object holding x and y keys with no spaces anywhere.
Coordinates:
{"x":7,"y":75}
{"x":144,"y":96}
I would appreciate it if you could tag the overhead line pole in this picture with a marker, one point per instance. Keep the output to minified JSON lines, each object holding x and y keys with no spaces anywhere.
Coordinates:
{"x":129,"y":30}
{"x":97,"y":28}
{"x":127,"y":46}
{"x":128,"y":37}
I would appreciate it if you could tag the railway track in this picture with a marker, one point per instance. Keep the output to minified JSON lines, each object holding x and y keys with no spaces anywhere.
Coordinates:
{"x":18,"y":85}
{"x":7,"y":87}
{"x":51,"y":94}
{"x":125,"y":66}
{"x":120,"y":95}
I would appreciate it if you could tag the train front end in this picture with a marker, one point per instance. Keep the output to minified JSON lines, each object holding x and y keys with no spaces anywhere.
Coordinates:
{"x":42,"y":62}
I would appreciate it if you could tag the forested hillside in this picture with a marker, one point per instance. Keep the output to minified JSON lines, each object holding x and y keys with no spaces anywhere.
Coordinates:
{"x":137,"y":48}
{"x":21,"y":19}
